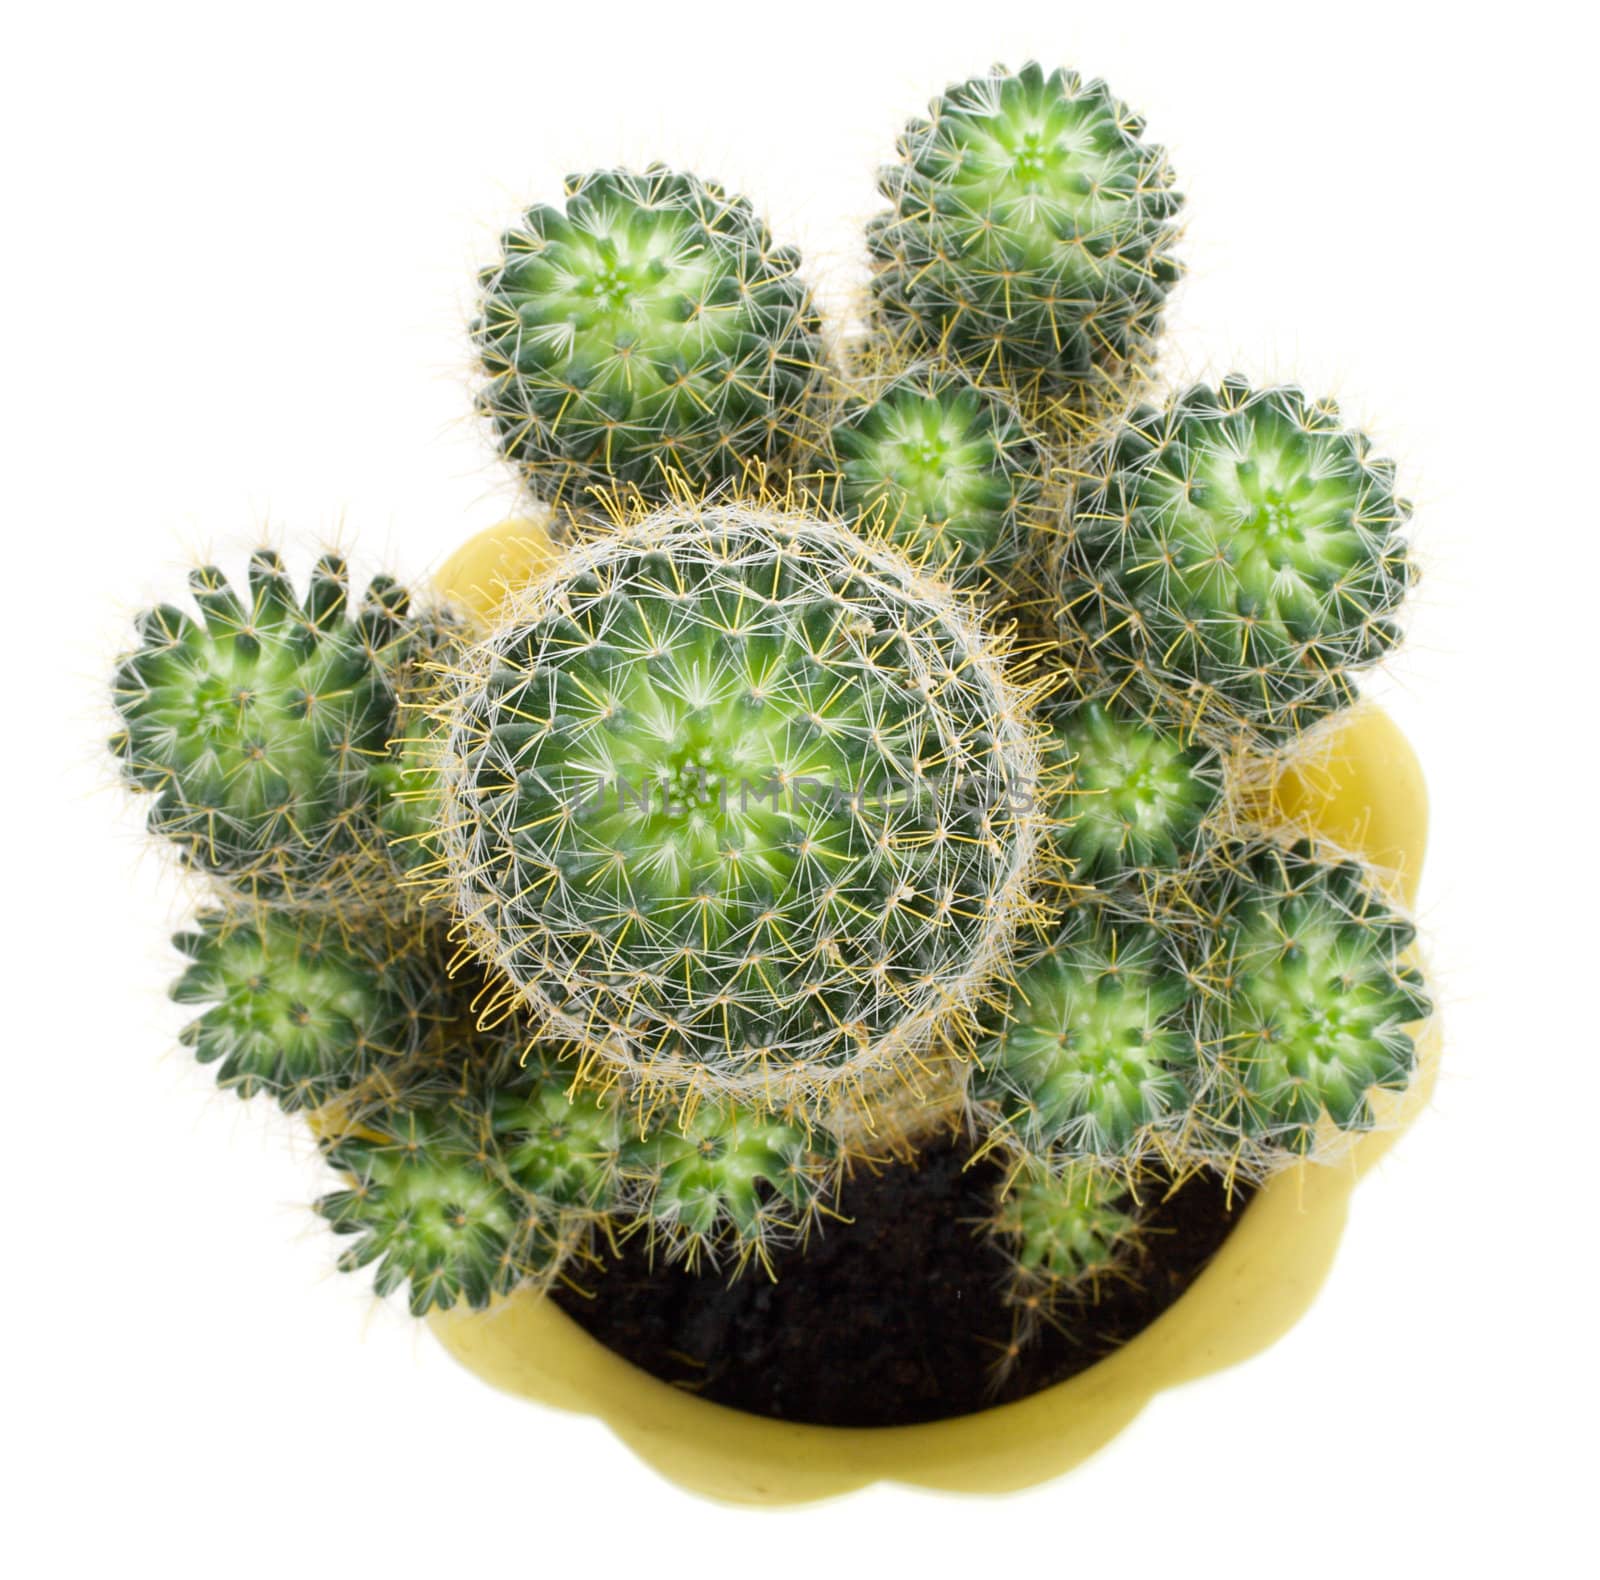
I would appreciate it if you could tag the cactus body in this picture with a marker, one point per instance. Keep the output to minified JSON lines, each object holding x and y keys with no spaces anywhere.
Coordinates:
{"x":729,"y":802}
{"x":563,"y":1147}
{"x":943,"y":468}
{"x":728,"y":1178}
{"x":471,"y":1183}
{"x":1238,"y":553}
{"x":431,"y":1210}
{"x":1312,"y":1002}
{"x":649,"y":328}
{"x":1098,"y":1053}
{"x":1029,"y":232}
{"x":301,"y":1006}
{"x":1135,"y":796}
{"x":257,"y":729}
{"x":1065,"y":1230}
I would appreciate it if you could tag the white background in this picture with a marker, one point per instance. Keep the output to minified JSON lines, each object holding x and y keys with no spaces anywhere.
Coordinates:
{"x":238,"y":264}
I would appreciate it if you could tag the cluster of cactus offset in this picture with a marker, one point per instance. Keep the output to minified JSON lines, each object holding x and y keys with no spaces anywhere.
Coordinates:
{"x":876,"y":745}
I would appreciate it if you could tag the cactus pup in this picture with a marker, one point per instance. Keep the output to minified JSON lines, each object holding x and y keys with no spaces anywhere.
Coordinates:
{"x":943,"y":468}
{"x":647,"y":331}
{"x":1029,"y":235}
{"x":305,"y":1005}
{"x":260,"y":731}
{"x":1312,"y":1001}
{"x":1237,"y":554}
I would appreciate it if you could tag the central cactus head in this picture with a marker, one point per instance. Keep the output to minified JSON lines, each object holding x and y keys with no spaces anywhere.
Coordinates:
{"x":649,"y":329}
{"x":733,"y":801}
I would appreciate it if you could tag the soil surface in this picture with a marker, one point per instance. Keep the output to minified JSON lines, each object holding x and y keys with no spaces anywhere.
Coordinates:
{"x":896,"y":1316}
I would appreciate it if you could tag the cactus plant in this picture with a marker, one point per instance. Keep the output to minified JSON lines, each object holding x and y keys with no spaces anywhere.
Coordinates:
{"x":1137,"y":797}
{"x":1029,"y":234}
{"x":1098,"y":1050}
{"x":1066,"y":1229}
{"x":729,"y":1178}
{"x":648,"y":330}
{"x":257,"y":730}
{"x":563,"y":1146}
{"x":730,"y":803}
{"x":1311,"y":1003}
{"x":735,"y":840}
{"x":1238,"y":553}
{"x":435,"y":1209}
{"x":942,"y":467}
{"x":304,"y":1005}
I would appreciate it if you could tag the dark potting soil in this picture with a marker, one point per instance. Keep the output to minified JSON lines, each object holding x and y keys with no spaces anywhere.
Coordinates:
{"x":895,"y":1316}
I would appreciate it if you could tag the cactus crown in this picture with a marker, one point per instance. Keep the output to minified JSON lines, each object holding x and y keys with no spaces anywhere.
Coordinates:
{"x":303,"y":1006}
{"x":943,"y":468}
{"x":1138,"y":796}
{"x":729,"y":802}
{"x":1098,"y":1053}
{"x":1311,"y":1001}
{"x":257,"y":729}
{"x":649,"y":330}
{"x":1029,"y":231}
{"x":1240,"y":553}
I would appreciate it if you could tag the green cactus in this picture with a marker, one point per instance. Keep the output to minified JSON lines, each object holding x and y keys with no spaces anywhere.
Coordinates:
{"x":732,"y":803}
{"x":1066,"y":1229}
{"x":1136,"y":799}
{"x":728,"y":1178}
{"x":1098,"y":1052}
{"x":1239,"y":554}
{"x":470,"y":1188}
{"x":648,"y":330}
{"x":1029,"y":234}
{"x":563,"y":1146}
{"x":303,"y":1006}
{"x":434,"y":1209}
{"x":479,"y":1177}
{"x":257,"y":729}
{"x":1312,"y":1002}
{"x":733,"y":845}
{"x":943,"y":468}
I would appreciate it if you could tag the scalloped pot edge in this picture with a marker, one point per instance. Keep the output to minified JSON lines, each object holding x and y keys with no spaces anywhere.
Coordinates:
{"x":1359,"y":788}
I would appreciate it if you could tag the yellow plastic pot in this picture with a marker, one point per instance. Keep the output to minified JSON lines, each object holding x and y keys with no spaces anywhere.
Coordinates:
{"x":1363,"y":791}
